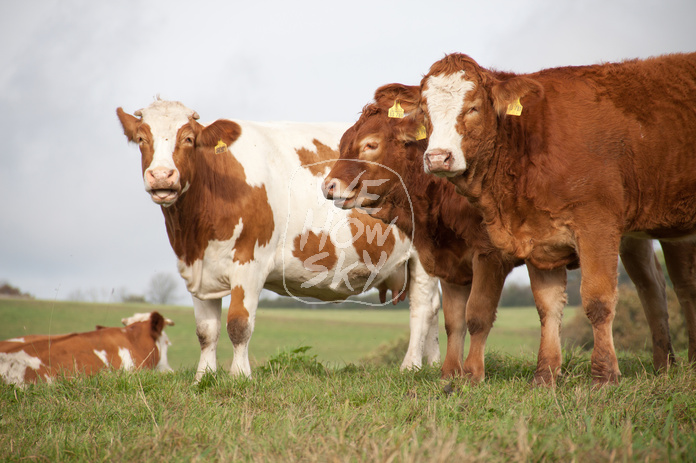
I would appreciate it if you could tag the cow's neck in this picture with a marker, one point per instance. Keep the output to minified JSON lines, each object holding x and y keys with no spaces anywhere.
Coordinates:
{"x":436,"y":206}
{"x":212,"y":208}
{"x":496,"y":183}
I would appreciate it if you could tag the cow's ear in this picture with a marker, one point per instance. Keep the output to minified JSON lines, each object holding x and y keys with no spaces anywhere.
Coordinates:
{"x":408,"y":96}
{"x":156,"y":324}
{"x":130,"y":123}
{"x":221,"y":130}
{"x":411,"y":128}
{"x":507,"y":94}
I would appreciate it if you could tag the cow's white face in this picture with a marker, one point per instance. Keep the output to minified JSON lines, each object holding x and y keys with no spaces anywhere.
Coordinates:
{"x":162,"y":177}
{"x":444,"y":98}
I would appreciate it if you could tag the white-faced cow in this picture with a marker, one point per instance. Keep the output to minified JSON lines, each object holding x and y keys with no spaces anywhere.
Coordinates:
{"x":244,"y":211}
{"x":385,"y":148}
{"x":142,"y":343}
{"x":565,"y":162}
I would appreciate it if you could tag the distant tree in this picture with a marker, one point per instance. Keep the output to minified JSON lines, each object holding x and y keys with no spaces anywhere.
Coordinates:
{"x":162,"y":289}
{"x":7,"y":290}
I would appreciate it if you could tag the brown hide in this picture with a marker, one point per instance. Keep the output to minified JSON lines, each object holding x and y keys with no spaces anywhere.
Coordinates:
{"x":448,"y":233}
{"x":74,"y":353}
{"x":598,"y":152}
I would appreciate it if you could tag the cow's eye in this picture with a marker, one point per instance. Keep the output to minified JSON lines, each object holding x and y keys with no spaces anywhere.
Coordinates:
{"x":370,"y":147}
{"x":472,"y":110}
{"x":189,"y":140}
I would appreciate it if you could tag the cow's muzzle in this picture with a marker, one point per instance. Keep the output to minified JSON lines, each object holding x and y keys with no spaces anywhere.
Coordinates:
{"x":163,"y":185}
{"x":333,"y":189}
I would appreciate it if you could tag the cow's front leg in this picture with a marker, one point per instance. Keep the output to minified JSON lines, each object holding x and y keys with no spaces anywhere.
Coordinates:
{"x":598,"y":266}
{"x":207,"y":313}
{"x":486,"y":287}
{"x":549,"y":290}
{"x":240,"y":326}
{"x":454,"y":298}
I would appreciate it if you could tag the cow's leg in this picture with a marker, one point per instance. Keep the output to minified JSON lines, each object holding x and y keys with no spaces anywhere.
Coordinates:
{"x":207,"y":313}
{"x":680,"y":258}
{"x":240,"y":326}
{"x":454,"y":298}
{"x":432,"y":337}
{"x":549,"y":290}
{"x":599,"y":256}
{"x":641,"y":264}
{"x":486,"y":286}
{"x":424,"y":303}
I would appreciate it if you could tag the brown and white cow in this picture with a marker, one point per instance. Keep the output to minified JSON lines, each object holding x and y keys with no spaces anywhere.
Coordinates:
{"x":449,"y":236}
{"x":244,"y":211}
{"x":142,"y":343}
{"x":567,"y":161}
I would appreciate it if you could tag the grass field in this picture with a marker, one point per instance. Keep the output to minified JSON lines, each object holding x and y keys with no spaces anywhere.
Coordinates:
{"x":337,"y":336}
{"x":321,"y":406}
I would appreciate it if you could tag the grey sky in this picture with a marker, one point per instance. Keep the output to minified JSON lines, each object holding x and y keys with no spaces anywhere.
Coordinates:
{"x":73,"y":212}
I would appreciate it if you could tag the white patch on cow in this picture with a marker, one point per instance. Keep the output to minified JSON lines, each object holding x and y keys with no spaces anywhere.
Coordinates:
{"x":445,"y":99}
{"x":20,"y":340}
{"x":102,"y":356}
{"x":13,"y":366}
{"x":165,"y":118}
{"x":279,"y":141}
{"x":126,"y":359}
{"x":163,"y":344}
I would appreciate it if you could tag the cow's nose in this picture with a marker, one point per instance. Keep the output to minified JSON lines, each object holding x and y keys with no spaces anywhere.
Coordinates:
{"x":438,"y":160}
{"x":329,"y":187}
{"x":161,"y":177}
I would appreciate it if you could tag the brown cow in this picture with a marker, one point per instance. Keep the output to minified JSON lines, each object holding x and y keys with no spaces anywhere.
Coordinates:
{"x":450,"y":239}
{"x":566,"y":161}
{"x":142,"y":343}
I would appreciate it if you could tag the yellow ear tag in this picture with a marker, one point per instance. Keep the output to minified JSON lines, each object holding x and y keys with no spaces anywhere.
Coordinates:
{"x":221,"y":147}
{"x":421,"y":133}
{"x":396,"y":111}
{"x":515,"y":109}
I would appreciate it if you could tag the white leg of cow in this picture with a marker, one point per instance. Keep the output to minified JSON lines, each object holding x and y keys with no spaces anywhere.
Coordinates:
{"x":207,"y":313}
{"x":423,"y":291}
{"x":432,"y":341}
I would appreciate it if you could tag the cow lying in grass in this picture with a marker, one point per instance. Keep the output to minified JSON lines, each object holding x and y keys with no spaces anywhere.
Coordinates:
{"x":142,"y":343}
{"x":378,"y":153}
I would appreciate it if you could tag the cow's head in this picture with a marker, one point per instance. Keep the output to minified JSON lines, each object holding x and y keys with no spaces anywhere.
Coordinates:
{"x":169,"y":138}
{"x":157,"y":324}
{"x":374,"y":148}
{"x":464,"y":104}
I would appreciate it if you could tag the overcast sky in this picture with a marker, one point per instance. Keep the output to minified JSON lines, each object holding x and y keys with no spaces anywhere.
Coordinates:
{"x":73,"y":212}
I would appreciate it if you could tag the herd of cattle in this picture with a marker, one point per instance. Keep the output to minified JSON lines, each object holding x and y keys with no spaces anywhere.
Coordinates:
{"x":449,"y":184}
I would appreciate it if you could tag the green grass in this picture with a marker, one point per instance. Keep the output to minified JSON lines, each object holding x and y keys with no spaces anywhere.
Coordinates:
{"x":338,"y":336}
{"x":302,"y":406}
{"x":296,"y":409}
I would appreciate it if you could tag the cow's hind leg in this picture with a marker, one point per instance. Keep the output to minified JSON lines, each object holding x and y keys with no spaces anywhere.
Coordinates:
{"x":207,"y":313}
{"x":641,"y":264}
{"x":680,"y":258}
{"x":548,"y":288}
{"x":424,"y":304}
